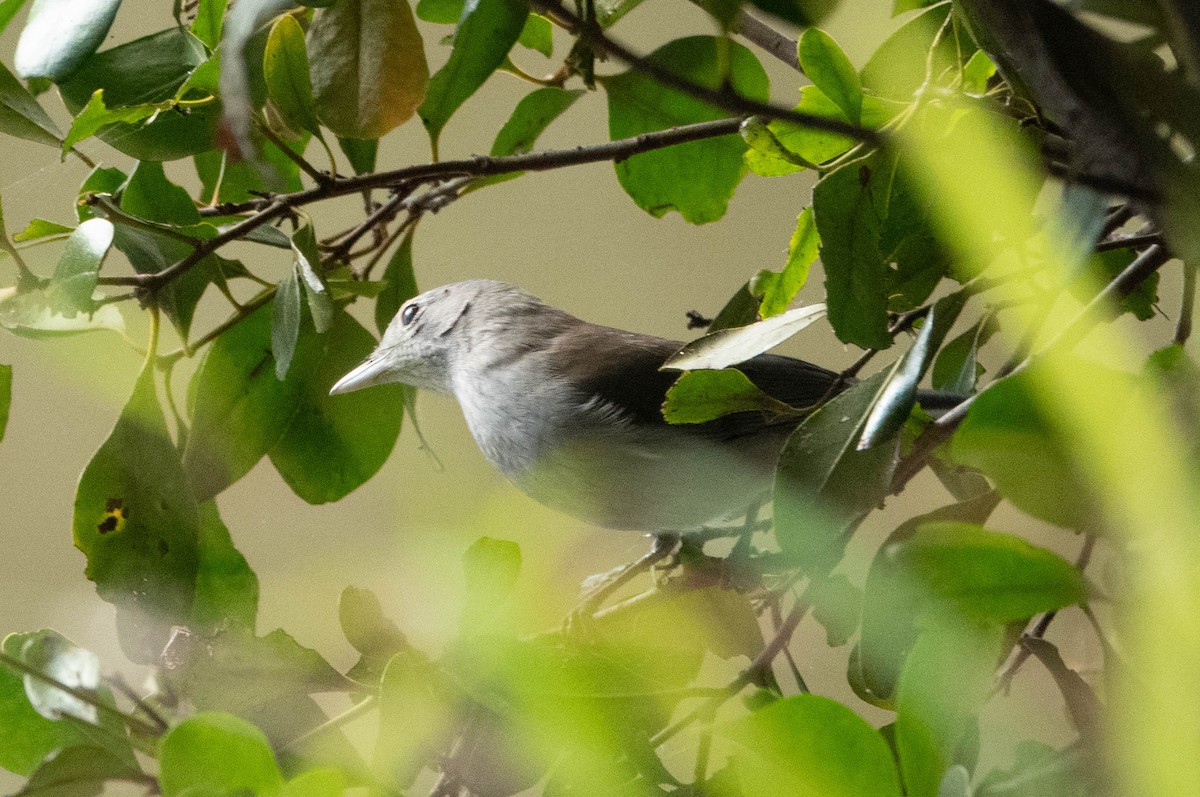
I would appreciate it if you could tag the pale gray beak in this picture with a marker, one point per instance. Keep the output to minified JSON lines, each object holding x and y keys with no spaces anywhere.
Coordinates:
{"x":371,"y":371}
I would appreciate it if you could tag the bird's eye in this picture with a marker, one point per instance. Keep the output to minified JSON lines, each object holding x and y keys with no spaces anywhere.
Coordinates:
{"x":409,"y":313}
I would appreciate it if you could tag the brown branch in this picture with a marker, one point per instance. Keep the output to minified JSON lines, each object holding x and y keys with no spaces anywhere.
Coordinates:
{"x":1187,"y":309}
{"x":718,"y":98}
{"x":270,"y":208}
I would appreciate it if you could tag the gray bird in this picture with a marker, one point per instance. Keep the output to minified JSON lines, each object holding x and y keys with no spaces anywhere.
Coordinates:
{"x":571,"y":412}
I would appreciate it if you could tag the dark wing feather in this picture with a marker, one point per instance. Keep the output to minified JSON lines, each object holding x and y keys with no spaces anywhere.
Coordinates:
{"x":622,"y":368}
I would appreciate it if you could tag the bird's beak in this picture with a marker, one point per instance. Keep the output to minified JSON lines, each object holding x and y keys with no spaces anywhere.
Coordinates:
{"x":371,"y":371}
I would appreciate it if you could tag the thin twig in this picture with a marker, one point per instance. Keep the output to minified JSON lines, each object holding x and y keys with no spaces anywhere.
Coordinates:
{"x":113,"y":212}
{"x":1130,"y":242}
{"x":312,"y":171}
{"x":381,"y":215}
{"x":1187,"y":308}
{"x":350,"y":714}
{"x":719,"y":98}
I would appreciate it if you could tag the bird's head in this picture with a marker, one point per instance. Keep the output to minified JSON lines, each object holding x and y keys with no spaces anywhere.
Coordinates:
{"x":437,"y":332}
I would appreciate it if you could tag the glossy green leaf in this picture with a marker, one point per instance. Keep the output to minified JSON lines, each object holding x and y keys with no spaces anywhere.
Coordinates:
{"x":315,"y":783}
{"x":241,"y":408}
{"x":30,"y":315}
{"x":237,"y":180}
{"x":810,"y":745}
{"x":74,"y":280}
{"x":401,"y":283}
{"x":151,"y":196}
{"x":446,"y":12}
{"x":957,"y":367}
{"x":226,"y":588}
{"x":94,"y":117}
{"x":823,"y":484}
{"x":59,"y":35}
{"x":56,"y":657}
{"x":486,"y":32}
{"x":951,"y":574}
{"x":899,"y":394}
{"x":898,"y":67}
{"x":804,"y":145}
{"x":20,"y":113}
{"x":727,"y":347}
{"x":533,"y":114}
{"x":827,"y":66}
{"x":702,"y":396}
{"x":1039,"y":769}
{"x":334,"y":444}
{"x":978,"y":70}
{"x":946,"y":680}
{"x":285,"y":322}
{"x":836,"y":605}
{"x":741,"y":310}
{"x":368,"y":66}
{"x":136,"y":523}
{"x":696,"y":179}
{"x":216,"y":753}
{"x":798,"y":12}
{"x":101,"y":180}
{"x":360,"y":152}
{"x":5,"y":397}
{"x":307,"y":261}
{"x":41,"y":228}
{"x":285,"y":69}
{"x":1009,"y":437}
{"x":849,"y":205}
{"x":148,"y":70}
{"x":779,"y":289}
{"x":538,"y":34}
{"x":210,"y":16}
{"x":84,"y":770}
{"x":369,"y":632}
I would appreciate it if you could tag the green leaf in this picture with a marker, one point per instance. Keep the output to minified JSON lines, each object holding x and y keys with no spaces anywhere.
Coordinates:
{"x":957,"y":367}
{"x":804,"y":145}
{"x":823,"y":484}
{"x":1039,"y":769}
{"x":241,"y":409}
{"x":949,"y":574}
{"x":216,"y":753}
{"x":237,"y":180}
{"x":978,"y":70}
{"x":490,"y":567}
{"x":486,"y":32}
{"x":1009,"y":436}
{"x":837,"y":605}
{"x":1100,"y":270}
{"x":416,"y":718}
{"x":151,"y":196}
{"x":712,"y":619}
{"x":945,"y":683}
{"x":810,"y":745}
{"x":226,"y":588}
{"x":849,"y":205}
{"x":5,"y":397}
{"x":285,"y":322}
{"x":533,"y":114}
{"x":30,"y":315}
{"x":26,"y":737}
{"x":698,"y":178}
{"x":762,"y":140}
{"x":41,"y":228}
{"x":727,"y":347}
{"x":798,"y":12}
{"x":899,"y":394}
{"x":827,"y":66}
{"x":59,"y":35}
{"x":136,"y":523}
{"x":898,"y":67}
{"x":81,"y":771}
{"x":334,"y":444}
{"x":21,"y":115}
{"x":360,"y":152}
{"x":95,"y":117}
{"x":315,"y":783}
{"x":537,"y":35}
{"x":370,"y":633}
{"x":210,"y":15}
{"x":741,"y":310}
{"x":148,"y":70}
{"x":8,"y":10}
{"x":368,"y":66}
{"x":446,"y":12}
{"x":400,"y":280}
{"x":100,"y":180}
{"x":702,"y":396}
{"x":778,"y":290}
{"x":285,"y":69}
{"x":74,"y":280}
{"x":307,"y":262}
{"x":57,"y":657}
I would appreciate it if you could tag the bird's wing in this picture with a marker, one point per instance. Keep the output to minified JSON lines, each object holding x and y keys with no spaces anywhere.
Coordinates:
{"x":622,"y":369}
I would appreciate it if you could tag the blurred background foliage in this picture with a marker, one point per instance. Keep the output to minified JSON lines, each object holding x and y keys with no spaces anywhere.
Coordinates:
{"x":212,"y":209}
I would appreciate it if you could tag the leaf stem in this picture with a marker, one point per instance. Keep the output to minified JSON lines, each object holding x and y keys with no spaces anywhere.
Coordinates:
{"x":113,"y":212}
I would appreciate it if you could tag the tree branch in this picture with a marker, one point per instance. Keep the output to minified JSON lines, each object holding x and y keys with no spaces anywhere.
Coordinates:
{"x":270,"y":208}
{"x":718,"y":98}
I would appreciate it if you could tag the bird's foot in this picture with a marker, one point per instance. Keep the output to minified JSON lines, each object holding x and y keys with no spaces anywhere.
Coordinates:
{"x":582,"y":615}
